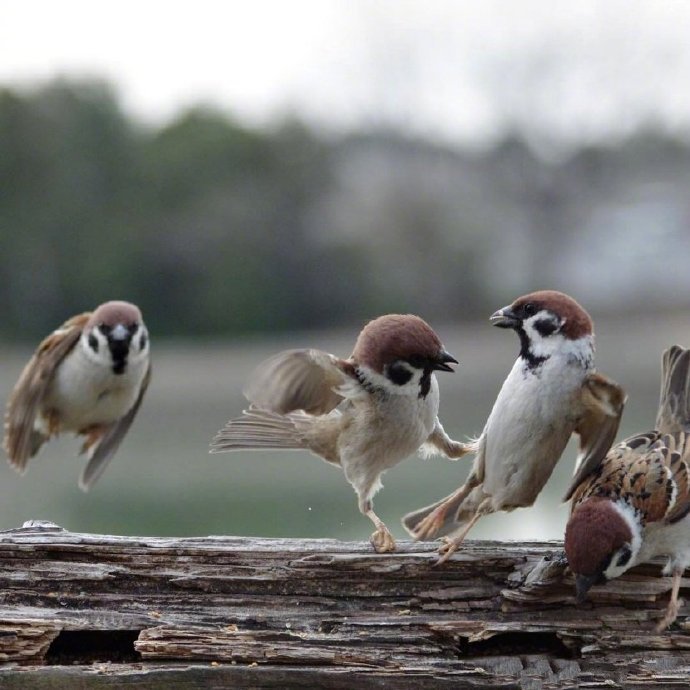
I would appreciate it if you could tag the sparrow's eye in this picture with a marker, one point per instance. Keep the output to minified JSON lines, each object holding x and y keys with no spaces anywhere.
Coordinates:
{"x":417,"y":361}
{"x":624,"y":557}
{"x":93,"y":342}
{"x":530,"y":309}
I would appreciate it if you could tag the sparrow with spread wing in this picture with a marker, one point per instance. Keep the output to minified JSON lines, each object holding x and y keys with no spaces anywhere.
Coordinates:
{"x":88,"y":377}
{"x":634,"y":503}
{"x":551,"y":392}
{"x":365,"y":413}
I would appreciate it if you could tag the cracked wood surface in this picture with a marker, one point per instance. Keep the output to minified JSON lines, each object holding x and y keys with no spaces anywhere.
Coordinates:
{"x":83,"y":610}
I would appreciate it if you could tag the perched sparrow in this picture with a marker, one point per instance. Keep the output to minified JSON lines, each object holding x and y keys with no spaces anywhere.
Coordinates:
{"x":634,"y":504}
{"x":88,"y":377}
{"x":551,"y":392}
{"x":365,"y":413}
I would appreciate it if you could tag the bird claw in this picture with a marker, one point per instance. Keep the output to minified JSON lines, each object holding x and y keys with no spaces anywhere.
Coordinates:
{"x":382,"y":541}
{"x":670,"y":616}
{"x":447,"y":549}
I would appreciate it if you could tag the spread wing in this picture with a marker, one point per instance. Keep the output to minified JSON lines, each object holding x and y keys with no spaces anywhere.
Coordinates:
{"x":21,"y":441}
{"x":101,"y":453}
{"x":298,"y":380}
{"x":603,"y":401}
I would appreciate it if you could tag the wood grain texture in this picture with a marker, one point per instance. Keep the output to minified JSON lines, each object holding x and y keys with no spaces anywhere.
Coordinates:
{"x":82,"y":610}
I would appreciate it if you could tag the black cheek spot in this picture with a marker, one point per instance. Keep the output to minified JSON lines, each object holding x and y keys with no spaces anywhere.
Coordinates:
{"x":93,"y":342}
{"x":546,"y":327}
{"x":625,"y":554}
{"x":398,"y":373}
{"x":142,"y":341}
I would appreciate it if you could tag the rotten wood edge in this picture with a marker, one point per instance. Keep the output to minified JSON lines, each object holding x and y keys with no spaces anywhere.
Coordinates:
{"x":319,"y":613}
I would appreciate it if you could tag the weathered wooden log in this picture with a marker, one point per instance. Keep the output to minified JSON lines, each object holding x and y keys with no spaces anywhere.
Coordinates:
{"x":82,"y":610}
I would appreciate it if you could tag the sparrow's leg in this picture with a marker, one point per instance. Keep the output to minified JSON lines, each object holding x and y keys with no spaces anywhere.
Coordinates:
{"x":433,"y":522}
{"x":382,"y":540}
{"x":93,"y":435}
{"x":52,"y":419}
{"x":440,"y":442}
{"x":451,"y":543}
{"x":673,"y":604}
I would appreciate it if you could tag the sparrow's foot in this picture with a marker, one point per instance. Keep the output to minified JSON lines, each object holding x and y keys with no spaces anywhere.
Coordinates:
{"x":53,"y":421}
{"x":382,"y":540}
{"x":452,"y":543}
{"x":93,"y":435}
{"x":431,"y":524}
{"x":670,"y":616}
{"x":447,"y":549}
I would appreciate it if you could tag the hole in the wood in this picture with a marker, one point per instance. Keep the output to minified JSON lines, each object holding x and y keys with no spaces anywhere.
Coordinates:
{"x":89,"y":646}
{"x":516,"y":643}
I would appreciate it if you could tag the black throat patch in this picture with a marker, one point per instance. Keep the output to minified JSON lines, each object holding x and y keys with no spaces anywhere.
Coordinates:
{"x":533,"y":362}
{"x":425,"y":383}
{"x":119,"y":350}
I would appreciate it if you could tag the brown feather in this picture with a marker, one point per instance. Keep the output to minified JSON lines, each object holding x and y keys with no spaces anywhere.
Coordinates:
{"x":603,"y":401}
{"x":298,"y":380}
{"x":21,"y":441}
{"x":577,"y":322}
{"x":651,"y":470}
{"x":395,"y":336}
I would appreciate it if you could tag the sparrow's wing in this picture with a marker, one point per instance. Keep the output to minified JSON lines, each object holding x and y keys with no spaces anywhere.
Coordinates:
{"x":21,"y":440}
{"x":650,"y":470}
{"x":674,"y":401}
{"x":298,"y":380}
{"x":101,"y":452}
{"x":678,"y":462}
{"x":603,"y":401}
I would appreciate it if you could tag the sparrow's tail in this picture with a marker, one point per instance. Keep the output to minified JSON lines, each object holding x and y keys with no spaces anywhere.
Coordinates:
{"x":674,"y":402}
{"x":259,"y":429}
{"x":446,"y":516}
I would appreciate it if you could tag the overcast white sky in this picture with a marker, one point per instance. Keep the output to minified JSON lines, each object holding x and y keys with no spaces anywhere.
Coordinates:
{"x":450,"y":69}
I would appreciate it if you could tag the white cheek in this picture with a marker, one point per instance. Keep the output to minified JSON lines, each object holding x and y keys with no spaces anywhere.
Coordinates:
{"x":381,"y":381}
{"x":137,"y":353}
{"x":102,"y":354}
{"x":557,"y":344}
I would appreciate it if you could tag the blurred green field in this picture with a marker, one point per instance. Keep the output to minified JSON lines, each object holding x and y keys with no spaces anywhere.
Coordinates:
{"x":164,"y":482}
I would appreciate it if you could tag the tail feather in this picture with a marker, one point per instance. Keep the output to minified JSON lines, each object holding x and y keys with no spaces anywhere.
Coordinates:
{"x":674,"y":402}
{"x":258,"y":429}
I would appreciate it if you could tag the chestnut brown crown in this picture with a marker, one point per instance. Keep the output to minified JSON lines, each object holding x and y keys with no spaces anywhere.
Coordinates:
{"x":113,"y":313}
{"x":396,"y":337}
{"x":577,"y":323}
{"x":595,"y":531}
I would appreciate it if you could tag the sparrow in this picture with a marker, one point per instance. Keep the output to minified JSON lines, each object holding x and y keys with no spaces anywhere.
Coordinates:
{"x":87,"y":377}
{"x":365,"y":413}
{"x":634,"y":503}
{"x":551,"y":392}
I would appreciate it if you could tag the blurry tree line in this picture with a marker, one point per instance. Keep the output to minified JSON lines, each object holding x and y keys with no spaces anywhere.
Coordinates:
{"x":214,"y":227}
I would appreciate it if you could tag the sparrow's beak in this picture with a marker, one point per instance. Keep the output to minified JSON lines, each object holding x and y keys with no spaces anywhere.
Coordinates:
{"x":443,"y":360}
{"x":504,"y":318}
{"x":120,"y":332}
{"x":583,"y":583}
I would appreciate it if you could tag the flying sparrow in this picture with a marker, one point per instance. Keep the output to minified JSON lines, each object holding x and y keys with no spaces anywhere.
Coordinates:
{"x":88,"y":377}
{"x":551,"y":392}
{"x":365,"y":413}
{"x":634,"y":504}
